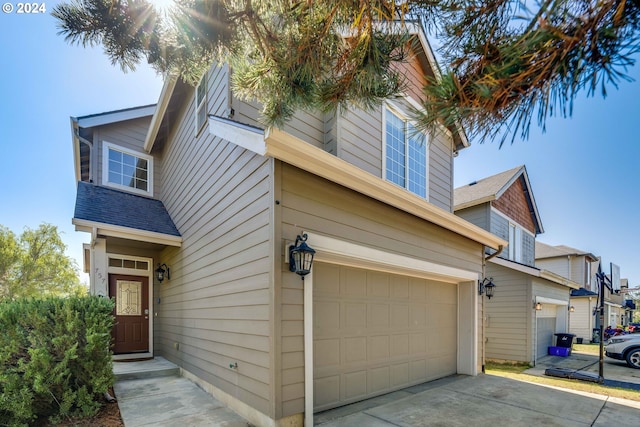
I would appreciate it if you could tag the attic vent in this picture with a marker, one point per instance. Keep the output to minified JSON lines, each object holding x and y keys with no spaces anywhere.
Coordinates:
{"x":473,"y":183}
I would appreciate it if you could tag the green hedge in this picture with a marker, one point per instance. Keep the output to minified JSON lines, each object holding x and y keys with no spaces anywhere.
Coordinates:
{"x":55,"y":358}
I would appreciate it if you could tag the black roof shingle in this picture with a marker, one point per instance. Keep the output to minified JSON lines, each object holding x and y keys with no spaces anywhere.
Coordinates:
{"x":108,"y":206}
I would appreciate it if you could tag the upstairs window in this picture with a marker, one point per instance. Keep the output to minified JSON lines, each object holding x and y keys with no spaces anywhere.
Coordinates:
{"x":201,"y":104}
{"x":515,"y":243}
{"x":405,"y":153}
{"x":127,"y":170}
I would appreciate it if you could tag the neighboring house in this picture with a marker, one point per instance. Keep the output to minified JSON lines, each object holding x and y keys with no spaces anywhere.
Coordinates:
{"x":580,"y":267}
{"x":530,"y":304}
{"x":196,"y":186}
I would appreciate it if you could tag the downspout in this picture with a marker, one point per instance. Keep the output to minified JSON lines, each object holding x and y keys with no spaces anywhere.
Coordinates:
{"x":484,"y":313}
{"x":90,"y":144}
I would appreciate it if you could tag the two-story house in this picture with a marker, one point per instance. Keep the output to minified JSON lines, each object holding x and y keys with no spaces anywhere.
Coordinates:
{"x":580,"y":267}
{"x":530,"y":304}
{"x":196,"y":189}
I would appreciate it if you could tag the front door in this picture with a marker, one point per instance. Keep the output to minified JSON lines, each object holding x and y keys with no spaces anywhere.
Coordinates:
{"x":130,"y":333}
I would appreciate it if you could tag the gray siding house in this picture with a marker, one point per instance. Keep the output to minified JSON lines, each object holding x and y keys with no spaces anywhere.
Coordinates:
{"x":392,"y":298}
{"x":530,"y":304}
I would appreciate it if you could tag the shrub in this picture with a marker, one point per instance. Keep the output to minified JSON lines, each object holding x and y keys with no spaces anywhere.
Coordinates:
{"x":55,"y":358}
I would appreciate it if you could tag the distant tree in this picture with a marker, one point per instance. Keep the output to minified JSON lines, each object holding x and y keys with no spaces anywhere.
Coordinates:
{"x":505,"y":61}
{"x":34,"y":265}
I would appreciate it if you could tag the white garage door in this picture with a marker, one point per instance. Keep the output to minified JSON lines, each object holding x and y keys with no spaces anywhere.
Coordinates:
{"x":377,"y":332}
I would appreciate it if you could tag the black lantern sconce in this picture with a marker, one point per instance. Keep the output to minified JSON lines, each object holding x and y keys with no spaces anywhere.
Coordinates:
{"x":571,"y":309}
{"x":487,"y":287}
{"x":301,"y":256}
{"x":161,"y":272}
{"x":537,"y":306}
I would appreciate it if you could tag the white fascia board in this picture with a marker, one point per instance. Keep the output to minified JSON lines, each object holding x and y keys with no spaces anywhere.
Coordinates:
{"x":612,"y":304}
{"x":115,"y":116}
{"x":161,"y":108}
{"x":556,"y":278}
{"x":536,"y":272}
{"x":545,"y":300}
{"x":76,"y":148}
{"x":251,"y":138}
{"x":126,"y":232}
{"x":336,"y":251}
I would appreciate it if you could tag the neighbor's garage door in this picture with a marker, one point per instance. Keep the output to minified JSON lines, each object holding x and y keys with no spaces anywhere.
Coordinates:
{"x":546,"y":329}
{"x":378,"y":332}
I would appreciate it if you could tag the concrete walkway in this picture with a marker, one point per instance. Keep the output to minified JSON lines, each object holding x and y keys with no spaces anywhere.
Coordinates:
{"x":151,"y":393}
{"x":147,"y":399}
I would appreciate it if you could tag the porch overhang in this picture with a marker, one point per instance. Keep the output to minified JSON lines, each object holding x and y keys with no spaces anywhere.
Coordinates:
{"x":294,"y":151}
{"x":110,"y":230}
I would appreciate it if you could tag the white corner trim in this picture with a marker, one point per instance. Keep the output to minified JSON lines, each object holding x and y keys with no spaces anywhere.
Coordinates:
{"x":253,"y":139}
{"x":336,"y":251}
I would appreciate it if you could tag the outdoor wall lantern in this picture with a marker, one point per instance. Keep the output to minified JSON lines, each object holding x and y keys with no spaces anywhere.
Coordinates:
{"x":161,"y":272}
{"x":487,"y":287}
{"x":301,"y":256}
{"x":538,"y":306}
{"x":572,"y":309}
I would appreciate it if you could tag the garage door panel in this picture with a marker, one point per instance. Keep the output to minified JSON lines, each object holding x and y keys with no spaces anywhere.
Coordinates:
{"x":378,"y":316}
{"x":354,"y":386}
{"x":399,"y":286}
{"x":326,"y":317}
{"x":417,"y":370}
{"x":378,"y":348}
{"x":399,"y":316}
{"x":353,"y":282}
{"x":418,"y":316}
{"x":399,"y":375}
{"x":378,"y":379}
{"x":399,"y":345}
{"x":385,"y":337}
{"x":377,"y":284}
{"x":355,"y":316}
{"x":355,"y":350}
{"x":326,"y":391}
{"x":327,"y":353}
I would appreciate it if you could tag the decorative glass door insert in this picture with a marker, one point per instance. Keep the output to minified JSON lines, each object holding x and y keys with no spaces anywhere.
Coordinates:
{"x":129,"y":298}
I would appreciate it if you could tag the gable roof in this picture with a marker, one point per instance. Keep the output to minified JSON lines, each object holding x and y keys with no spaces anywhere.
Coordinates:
{"x":117,"y":213}
{"x":492,"y":188}
{"x":175,"y":90}
{"x":547,"y":251}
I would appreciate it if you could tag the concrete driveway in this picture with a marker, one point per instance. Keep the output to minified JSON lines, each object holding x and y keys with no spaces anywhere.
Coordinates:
{"x":484,"y":400}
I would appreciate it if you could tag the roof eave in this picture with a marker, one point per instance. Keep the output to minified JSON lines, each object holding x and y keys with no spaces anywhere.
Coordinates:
{"x":161,"y":109}
{"x":111,"y":230}
{"x":292,"y":150}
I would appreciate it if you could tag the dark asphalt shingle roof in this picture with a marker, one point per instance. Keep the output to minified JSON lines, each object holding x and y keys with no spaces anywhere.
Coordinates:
{"x":108,"y":206}
{"x":582,"y":292}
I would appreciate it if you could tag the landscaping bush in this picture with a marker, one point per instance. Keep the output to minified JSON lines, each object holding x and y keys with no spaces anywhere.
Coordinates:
{"x":55,"y":358}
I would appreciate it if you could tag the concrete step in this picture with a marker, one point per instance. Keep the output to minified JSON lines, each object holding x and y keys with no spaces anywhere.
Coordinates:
{"x":152,"y":368}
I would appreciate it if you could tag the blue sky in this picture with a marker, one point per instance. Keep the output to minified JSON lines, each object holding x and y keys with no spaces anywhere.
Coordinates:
{"x":584,"y":171}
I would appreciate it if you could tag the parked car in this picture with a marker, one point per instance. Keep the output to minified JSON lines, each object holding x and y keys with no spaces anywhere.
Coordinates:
{"x":634,"y":328}
{"x":625,"y":347}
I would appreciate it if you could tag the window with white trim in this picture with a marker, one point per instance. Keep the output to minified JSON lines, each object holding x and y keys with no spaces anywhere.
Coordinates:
{"x":127,"y":170}
{"x":515,"y":243}
{"x":405,"y":153}
{"x":201,"y":104}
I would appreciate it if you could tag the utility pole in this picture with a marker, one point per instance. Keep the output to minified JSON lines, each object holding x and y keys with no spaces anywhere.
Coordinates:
{"x":600,"y":276}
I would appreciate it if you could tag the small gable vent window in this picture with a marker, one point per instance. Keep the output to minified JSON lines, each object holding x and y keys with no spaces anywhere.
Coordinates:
{"x":201,"y":104}
{"x":405,"y":154}
{"x":127,"y":170}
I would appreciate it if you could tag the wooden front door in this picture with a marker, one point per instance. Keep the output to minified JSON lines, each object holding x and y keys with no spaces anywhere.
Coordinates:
{"x":130,"y":333}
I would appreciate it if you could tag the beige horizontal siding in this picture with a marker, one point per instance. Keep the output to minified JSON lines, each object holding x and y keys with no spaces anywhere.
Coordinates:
{"x":508,"y":328}
{"x":215,"y":309}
